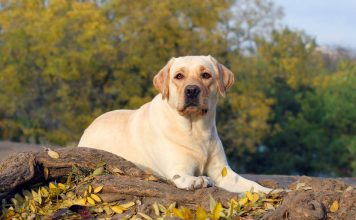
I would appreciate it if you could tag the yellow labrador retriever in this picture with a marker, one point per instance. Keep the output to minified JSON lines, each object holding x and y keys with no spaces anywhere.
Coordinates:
{"x":174,"y":135}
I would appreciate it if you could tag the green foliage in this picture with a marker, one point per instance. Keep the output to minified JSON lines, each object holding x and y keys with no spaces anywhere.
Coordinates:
{"x":54,"y":63}
{"x":317,"y":132}
{"x":64,"y":62}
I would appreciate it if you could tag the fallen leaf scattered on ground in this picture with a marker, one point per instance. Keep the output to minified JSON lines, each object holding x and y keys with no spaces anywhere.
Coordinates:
{"x":334,"y":206}
{"x":57,"y":199}
{"x":53,"y":154}
{"x":75,"y":197}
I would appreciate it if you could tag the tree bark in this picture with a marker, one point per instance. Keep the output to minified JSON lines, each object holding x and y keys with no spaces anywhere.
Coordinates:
{"x":126,"y":182}
{"x":24,"y":169}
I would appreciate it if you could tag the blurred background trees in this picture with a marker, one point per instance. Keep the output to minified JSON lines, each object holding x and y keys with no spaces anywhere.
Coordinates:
{"x":292,"y":109}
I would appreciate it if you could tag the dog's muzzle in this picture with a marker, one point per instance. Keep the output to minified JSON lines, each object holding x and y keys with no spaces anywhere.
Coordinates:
{"x":191,"y":93}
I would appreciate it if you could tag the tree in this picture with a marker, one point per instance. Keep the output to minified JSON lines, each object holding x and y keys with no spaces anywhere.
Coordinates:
{"x":284,"y":62}
{"x":149,"y":33}
{"x":319,"y":137}
{"x":55,"y":60}
{"x":64,"y":62}
{"x":243,"y":115}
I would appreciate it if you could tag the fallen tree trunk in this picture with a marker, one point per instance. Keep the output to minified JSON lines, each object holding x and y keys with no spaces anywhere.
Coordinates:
{"x":130,"y":183}
{"x":125,"y":182}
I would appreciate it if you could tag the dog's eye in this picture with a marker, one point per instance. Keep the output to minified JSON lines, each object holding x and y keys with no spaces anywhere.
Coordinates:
{"x":179,"y":76}
{"x":205,"y":75}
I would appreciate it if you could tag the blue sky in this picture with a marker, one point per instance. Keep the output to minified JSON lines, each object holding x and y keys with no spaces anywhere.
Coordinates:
{"x":332,"y":22}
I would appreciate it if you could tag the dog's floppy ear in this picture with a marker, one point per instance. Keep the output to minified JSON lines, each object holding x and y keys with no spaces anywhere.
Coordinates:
{"x":224,"y":78}
{"x":161,"y":79}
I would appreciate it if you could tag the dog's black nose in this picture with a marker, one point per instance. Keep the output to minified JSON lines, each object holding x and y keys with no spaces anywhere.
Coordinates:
{"x":191,"y":91}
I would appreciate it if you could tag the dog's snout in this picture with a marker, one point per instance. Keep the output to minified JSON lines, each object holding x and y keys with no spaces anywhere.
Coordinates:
{"x":192,"y":91}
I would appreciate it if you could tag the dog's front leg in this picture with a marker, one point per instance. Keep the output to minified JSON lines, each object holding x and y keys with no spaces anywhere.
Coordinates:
{"x":228,"y":179}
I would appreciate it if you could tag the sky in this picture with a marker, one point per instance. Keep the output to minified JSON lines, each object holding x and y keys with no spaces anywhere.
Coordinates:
{"x":331,"y":22}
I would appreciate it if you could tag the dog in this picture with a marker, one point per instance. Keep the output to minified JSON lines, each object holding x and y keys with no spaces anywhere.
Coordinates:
{"x":174,"y":136}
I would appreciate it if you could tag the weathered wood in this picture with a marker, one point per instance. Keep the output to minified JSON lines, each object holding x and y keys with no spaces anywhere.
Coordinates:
{"x":27,"y":168}
{"x":21,"y":170}
{"x":24,"y":169}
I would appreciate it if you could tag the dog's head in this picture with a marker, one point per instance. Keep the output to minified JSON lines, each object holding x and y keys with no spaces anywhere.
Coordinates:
{"x":192,"y":83}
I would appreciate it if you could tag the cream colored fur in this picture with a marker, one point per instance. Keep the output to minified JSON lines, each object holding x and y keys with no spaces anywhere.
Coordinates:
{"x":177,"y":143}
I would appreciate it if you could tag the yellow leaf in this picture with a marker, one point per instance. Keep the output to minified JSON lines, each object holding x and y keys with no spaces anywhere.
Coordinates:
{"x":224,"y":172}
{"x":108,"y":210}
{"x":171,"y":206}
{"x":269,"y":200}
{"x":201,"y":214}
{"x":34,"y":194}
{"x":212,"y":203}
{"x":233,"y":202}
{"x":90,"y":189}
{"x":243,"y":201}
{"x":178,"y":213}
{"x":98,"y":171}
{"x":27,"y":194}
{"x":308,"y":188}
{"x":39,"y":197}
{"x":14,"y":201}
{"x":81,"y":201}
{"x":217,"y":211}
{"x":162,"y":208}
{"x":98,"y":189}
{"x":300,"y":185}
{"x":33,"y":208}
{"x":19,"y":197}
{"x":69,"y":179}
{"x":90,"y":201}
{"x":249,"y":195}
{"x":335,"y":206}
{"x":127,"y":205}
{"x":44,"y":192}
{"x":85,"y":193}
{"x":45,"y":173}
{"x":9,"y":213}
{"x":95,"y":197}
{"x":145,"y":216}
{"x":70,"y":195}
{"x":117,"y":209}
{"x":255,"y":197}
{"x":52,"y":186}
{"x":67,"y":203}
{"x":98,"y":210}
{"x":100,"y":164}
{"x":232,"y":205}
{"x":61,"y":186}
{"x":348,"y":188}
{"x":151,"y":178}
{"x":187,"y":213}
{"x":155,"y":208}
{"x":52,"y":154}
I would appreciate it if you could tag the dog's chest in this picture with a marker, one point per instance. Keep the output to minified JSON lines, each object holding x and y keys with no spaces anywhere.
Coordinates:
{"x":199,"y":153}
{"x":194,"y":140}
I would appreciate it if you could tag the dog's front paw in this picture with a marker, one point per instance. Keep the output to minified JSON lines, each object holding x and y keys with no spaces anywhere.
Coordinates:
{"x":192,"y":182}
